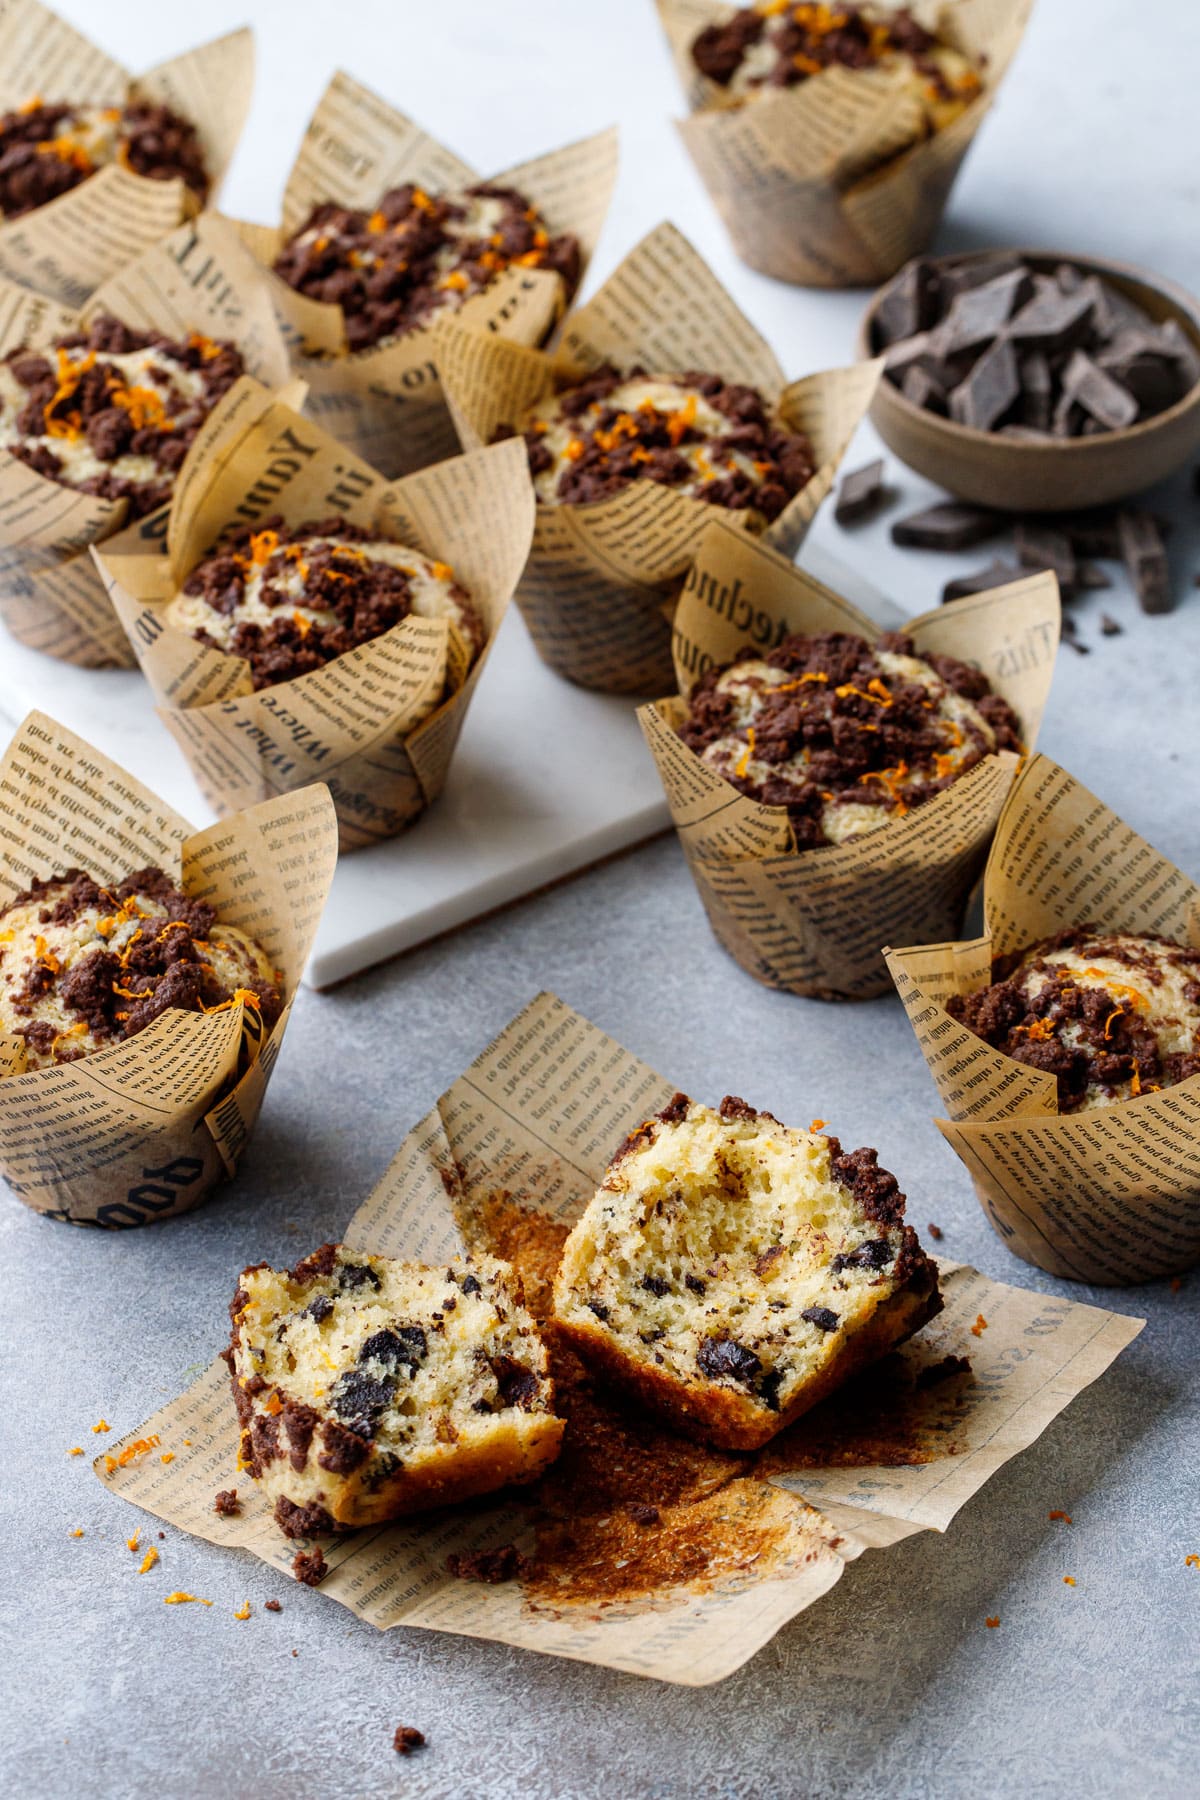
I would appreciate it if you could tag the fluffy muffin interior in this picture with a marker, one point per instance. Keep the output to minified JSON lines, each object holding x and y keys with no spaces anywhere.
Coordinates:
{"x":724,"y":1248}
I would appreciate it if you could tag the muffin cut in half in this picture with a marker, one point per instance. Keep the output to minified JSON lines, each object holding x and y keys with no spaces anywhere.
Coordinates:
{"x":731,"y":1272}
{"x":368,"y":1388}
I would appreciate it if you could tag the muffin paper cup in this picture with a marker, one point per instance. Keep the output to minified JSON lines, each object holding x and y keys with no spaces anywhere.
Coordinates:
{"x":376,"y":725}
{"x":813,"y":921}
{"x":68,"y":247}
{"x":602,"y":580}
{"x":1111,"y":1195}
{"x":822,"y":184}
{"x":199,"y":278}
{"x":539,"y":1114}
{"x":147,"y":1128}
{"x":386,"y":403}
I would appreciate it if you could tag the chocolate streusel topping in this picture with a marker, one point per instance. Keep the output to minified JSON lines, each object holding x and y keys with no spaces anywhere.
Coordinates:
{"x":809,"y":38}
{"x":39,"y":161}
{"x":391,"y":269}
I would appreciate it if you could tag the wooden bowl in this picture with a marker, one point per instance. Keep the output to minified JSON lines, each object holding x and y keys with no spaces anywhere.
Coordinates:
{"x":1059,"y":477}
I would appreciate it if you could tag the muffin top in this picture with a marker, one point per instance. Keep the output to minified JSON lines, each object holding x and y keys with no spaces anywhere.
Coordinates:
{"x":779,"y":44}
{"x":48,"y":148}
{"x":113,"y":411}
{"x":1110,"y":1015}
{"x":418,"y":254}
{"x":83,"y":966}
{"x":289,"y":599}
{"x":846,"y":735}
{"x":708,"y":438}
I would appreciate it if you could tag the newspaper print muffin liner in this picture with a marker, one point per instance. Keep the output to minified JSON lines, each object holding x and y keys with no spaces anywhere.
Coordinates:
{"x":199,"y":278}
{"x":69,"y":247}
{"x":821,"y":184}
{"x":538,"y":1115}
{"x":814,"y":921}
{"x":599,"y":591}
{"x":148,"y":1127}
{"x":385,"y":403}
{"x":1110,"y":1195}
{"x":379,"y":724}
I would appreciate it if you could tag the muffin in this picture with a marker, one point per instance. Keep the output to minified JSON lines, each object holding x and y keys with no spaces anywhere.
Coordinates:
{"x":843,"y":734}
{"x":415,"y":255}
{"x":730,"y":1272}
{"x":84,"y":966}
{"x":112,"y":411}
{"x":777,"y":44}
{"x":1110,"y":1014}
{"x":289,"y":599}
{"x":48,"y":148}
{"x":367,"y":1388}
{"x":710,"y":439}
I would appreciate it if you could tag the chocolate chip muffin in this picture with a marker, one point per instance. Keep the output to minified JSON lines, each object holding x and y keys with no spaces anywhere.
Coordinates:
{"x":289,"y":599}
{"x":1109,"y":1014}
{"x":844,"y":734}
{"x":47,"y":149}
{"x":730,"y":1272}
{"x":778,"y":44}
{"x":367,"y":1388}
{"x":710,"y":439}
{"x":84,"y":966}
{"x":391,"y":270}
{"x":113,"y":411}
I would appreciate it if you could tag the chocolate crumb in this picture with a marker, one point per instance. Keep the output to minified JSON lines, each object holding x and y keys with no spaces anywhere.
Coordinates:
{"x":935,"y":1373}
{"x":1109,"y":626}
{"x":310,"y":1567}
{"x":226,"y":1503}
{"x":408,"y":1739}
{"x":642,"y":1513}
{"x":272,"y":1606}
{"x":935,"y":1232}
{"x":505,"y":1563}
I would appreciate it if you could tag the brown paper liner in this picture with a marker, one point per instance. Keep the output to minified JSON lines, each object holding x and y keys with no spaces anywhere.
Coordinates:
{"x":539,"y":1114}
{"x":813,"y":921}
{"x":147,"y":1129}
{"x":822,"y":184}
{"x":373,"y":724}
{"x":600,"y":587}
{"x":1110,"y":1196}
{"x":386,"y":403}
{"x":199,"y":278}
{"x":68,"y":247}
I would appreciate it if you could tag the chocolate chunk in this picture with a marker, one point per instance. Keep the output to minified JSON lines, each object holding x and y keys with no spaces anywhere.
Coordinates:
{"x":1182,"y":347}
{"x":958,"y":278}
{"x":950,"y":525}
{"x":982,"y":399}
{"x":1109,"y":626}
{"x":600,"y":1311}
{"x":1041,"y":547}
{"x":1092,"y":531}
{"x":772,"y":1381}
{"x":923,"y":389}
{"x":906,"y":305}
{"x":470,"y":1285}
{"x":1052,"y":320}
{"x":406,"y":1346}
{"x":1145,"y":557}
{"x":654,"y":1284}
{"x":1099,"y":393}
{"x":821,"y":1317}
{"x":997,"y":574}
{"x":975,"y":317}
{"x":359,"y":1400}
{"x":357,"y":1275}
{"x":695,"y":1285}
{"x":861,"y":493}
{"x":317,"y":1309}
{"x":407,"y":1739}
{"x":642,"y":1513}
{"x":1089,"y":575}
{"x":518,"y":1384}
{"x":875,"y":1254}
{"x":724,"y":1357}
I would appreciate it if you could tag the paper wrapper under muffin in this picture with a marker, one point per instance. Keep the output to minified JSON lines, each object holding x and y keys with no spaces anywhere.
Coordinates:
{"x":821,"y":184}
{"x":371,"y":724}
{"x":814,"y":921}
{"x":199,"y":278}
{"x":386,"y":403}
{"x":68,"y":247}
{"x":600,"y":587}
{"x":1110,"y":1195}
{"x":148,"y":1127}
{"x":538,"y":1116}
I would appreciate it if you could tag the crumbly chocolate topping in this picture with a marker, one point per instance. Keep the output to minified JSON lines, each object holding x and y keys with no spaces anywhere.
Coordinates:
{"x":392,"y":268}
{"x":868,"y":734}
{"x":302,"y":1521}
{"x":809,"y":38}
{"x":614,"y":447}
{"x":226,"y":1503}
{"x":118,"y":995}
{"x":365,"y":596}
{"x":321,"y":1261}
{"x":310,"y":1567}
{"x":1080,"y":1031}
{"x":38,"y":161}
{"x":74,"y":391}
{"x":505,"y":1563}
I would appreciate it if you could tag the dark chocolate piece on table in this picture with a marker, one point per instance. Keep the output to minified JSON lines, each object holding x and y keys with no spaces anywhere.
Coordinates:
{"x":860,"y":494}
{"x":1092,"y":530}
{"x":1091,"y":575}
{"x":950,"y":525}
{"x":1109,"y":626}
{"x":997,"y":574}
{"x":1145,"y":557}
{"x":981,"y":400}
{"x":1070,"y":635}
{"x":1099,"y":393}
{"x":1040,"y":547}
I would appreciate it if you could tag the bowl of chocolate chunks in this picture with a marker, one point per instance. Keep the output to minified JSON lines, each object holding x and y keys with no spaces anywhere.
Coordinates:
{"x":1032,"y":381}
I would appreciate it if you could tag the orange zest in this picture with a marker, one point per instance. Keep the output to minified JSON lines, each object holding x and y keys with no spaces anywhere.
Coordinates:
{"x":744,"y":760}
{"x":1065,"y":1517}
{"x":133,"y":1543}
{"x":892,"y":780}
{"x":75,"y":1450}
{"x":1069,"y":1580}
{"x":148,"y":1561}
{"x":243,"y":1611}
{"x":140,"y":1447}
{"x":817,"y":1125}
{"x":980,"y":1325}
{"x":102,"y":1425}
{"x":181,"y":1599}
{"x":681,"y":422}
{"x":992,"y":1623}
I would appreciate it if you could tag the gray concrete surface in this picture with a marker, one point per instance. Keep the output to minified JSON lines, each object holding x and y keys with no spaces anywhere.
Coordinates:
{"x":893,"y":1684}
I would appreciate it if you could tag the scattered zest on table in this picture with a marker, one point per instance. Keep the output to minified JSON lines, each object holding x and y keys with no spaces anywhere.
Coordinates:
{"x":148,"y":1561}
{"x":992,"y":1623}
{"x":181,"y":1599}
{"x":980,"y":1326}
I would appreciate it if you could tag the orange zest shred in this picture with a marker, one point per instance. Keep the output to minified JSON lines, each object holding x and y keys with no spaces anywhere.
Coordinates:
{"x":1065,"y":1517}
{"x":817,"y":1125}
{"x":78,"y":1531}
{"x":377,"y":221}
{"x":246,"y":995}
{"x":1191,"y":1562}
{"x":1039,"y":1030}
{"x":209,"y":351}
{"x":75,"y":1450}
{"x":442,"y":571}
{"x":574,"y":450}
{"x":45,"y":955}
{"x":303,"y":625}
{"x":168,"y":1456}
{"x":1069,"y":1580}
{"x":70,"y":425}
{"x":143,"y":404}
{"x":181,"y":1599}
{"x":1137,"y":999}
{"x":992,"y":1623}
{"x":681,"y":422}
{"x":273,"y":1404}
{"x":133,"y":1543}
{"x":102,"y":1425}
{"x":892,"y":780}
{"x":148,"y":1561}
{"x":131,"y":1452}
{"x":744,"y":760}
{"x":421,"y":201}
{"x":456,"y":280}
{"x":243,"y":1611}
{"x":980,"y":1325}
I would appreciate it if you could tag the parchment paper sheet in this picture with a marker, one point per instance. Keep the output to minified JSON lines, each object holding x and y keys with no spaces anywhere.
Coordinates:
{"x":538,"y":1115}
{"x":147,"y":1128}
{"x":373,"y":724}
{"x":814,"y":921}
{"x":600,"y":587}
{"x":822,"y":184}
{"x":1112,"y":1195}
